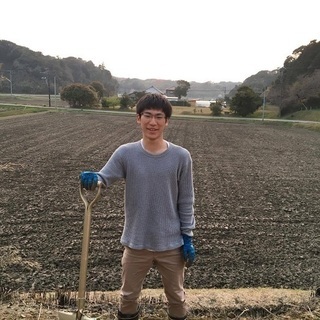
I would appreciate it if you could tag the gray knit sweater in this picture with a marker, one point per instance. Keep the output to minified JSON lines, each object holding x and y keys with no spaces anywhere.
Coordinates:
{"x":159,"y":195}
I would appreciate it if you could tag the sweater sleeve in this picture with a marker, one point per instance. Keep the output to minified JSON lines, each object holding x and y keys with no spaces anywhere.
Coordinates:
{"x":186,"y":197}
{"x":114,"y":169}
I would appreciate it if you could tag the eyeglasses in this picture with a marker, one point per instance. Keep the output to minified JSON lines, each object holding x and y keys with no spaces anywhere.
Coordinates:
{"x":148,"y":116}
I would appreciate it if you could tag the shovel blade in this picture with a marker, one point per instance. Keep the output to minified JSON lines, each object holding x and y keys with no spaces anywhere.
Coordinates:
{"x":62,"y":315}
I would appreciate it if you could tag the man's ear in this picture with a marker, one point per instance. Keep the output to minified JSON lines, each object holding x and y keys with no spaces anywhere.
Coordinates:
{"x":138,"y":118}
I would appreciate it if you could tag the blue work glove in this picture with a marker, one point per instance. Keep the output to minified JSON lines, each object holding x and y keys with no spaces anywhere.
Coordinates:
{"x":189,"y":252}
{"x":88,"y":180}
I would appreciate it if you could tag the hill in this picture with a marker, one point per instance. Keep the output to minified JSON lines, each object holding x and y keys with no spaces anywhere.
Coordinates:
{"x":258,"y":82}
{"x":31,"y":72}
{"x":28,"y":72}
{"x":297,"y":84}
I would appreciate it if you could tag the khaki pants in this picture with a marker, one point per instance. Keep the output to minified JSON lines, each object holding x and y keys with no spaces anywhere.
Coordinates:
{"x":135,"y":266}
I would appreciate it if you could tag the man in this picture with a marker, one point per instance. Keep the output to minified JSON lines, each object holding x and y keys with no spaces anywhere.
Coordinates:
{"x":159,"y":214}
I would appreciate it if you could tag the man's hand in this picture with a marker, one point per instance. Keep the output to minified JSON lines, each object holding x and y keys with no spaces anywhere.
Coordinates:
{"x":189,"y":252}
{"x":88,"y":180}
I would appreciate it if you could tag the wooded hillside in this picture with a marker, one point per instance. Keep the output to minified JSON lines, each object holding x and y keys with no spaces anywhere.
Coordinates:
{"x":297,"y":86}
{"x":31,"y":72}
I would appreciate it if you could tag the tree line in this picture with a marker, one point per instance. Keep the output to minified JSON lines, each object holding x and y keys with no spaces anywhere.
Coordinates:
{"x":297,"y":85}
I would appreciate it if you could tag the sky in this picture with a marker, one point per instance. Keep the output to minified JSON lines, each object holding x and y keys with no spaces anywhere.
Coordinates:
{"x":192,"y":40}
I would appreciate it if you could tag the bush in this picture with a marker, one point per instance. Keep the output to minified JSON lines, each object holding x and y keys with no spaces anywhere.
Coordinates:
{"x":79,"y":95}
{"x":105,"y":103}
{"x":313,"y":102}
{"x":245,"y":102}
{"x":125,"y":102}
{"x":216,"y":108}
{"x":108,"y":102}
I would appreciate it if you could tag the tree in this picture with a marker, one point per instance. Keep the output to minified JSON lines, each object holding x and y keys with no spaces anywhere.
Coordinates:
{"x":125,"y":101}
{"x":245,"y":102}
{"x":102,"y":66}
{"x":79,"y":95}
{"x":107,"y":102}
{"x":135,"y":96}
{"x":216,"y":108}
{"x":98,"y":87}
{"x":182,"y":88}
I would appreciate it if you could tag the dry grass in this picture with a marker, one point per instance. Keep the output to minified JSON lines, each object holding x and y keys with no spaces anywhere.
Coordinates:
{"x":191,"y":111}
{"x":245,"y":303}
{"x":309,"y":126}
{"x":242,"y":303}
{"x":269,"y":112}
{"x":32,"y":99}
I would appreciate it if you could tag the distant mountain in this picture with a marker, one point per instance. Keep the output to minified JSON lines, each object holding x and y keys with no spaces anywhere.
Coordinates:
{"x":258,"y":82}
{"x":203,"y":91}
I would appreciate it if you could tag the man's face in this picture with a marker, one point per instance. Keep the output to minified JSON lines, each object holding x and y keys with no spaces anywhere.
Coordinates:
{"x":153,"y":123}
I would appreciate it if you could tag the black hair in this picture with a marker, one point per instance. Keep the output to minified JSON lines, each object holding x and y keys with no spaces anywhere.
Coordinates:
{"x":154,"y":101}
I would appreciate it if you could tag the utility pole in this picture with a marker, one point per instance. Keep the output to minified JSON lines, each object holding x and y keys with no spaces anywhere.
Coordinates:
{"x":10,"y":79}
{"x":49,"y":91}
{"x":264,"y":103}
{"x":55,"y":90}
{"x":48,"y":85}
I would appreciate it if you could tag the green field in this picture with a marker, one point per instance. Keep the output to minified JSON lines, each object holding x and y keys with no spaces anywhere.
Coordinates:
{"x":306,"y":115}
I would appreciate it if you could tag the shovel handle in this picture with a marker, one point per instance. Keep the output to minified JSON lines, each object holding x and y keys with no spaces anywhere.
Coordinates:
{"x":85,"y":246}
{"x":96,"y":198}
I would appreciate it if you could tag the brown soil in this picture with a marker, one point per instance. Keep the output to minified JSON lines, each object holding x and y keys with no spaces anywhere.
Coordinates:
{"x":257,"y":203}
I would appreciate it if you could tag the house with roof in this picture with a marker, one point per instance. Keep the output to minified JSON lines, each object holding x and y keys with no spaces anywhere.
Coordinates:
{"x":170,"y":92}
{"x":153,"y":89}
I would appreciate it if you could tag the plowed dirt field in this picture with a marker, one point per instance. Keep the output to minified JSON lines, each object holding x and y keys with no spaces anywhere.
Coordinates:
{"x":257,"y":202}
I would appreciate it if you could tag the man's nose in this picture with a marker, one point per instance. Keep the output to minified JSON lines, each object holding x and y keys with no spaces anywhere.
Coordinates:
{"x":153,"y":120}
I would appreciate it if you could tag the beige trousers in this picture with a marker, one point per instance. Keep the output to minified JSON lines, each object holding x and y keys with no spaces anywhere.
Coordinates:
{"x":135,"y":266}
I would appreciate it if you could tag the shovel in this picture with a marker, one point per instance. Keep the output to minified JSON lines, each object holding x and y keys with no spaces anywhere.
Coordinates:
{"x":78,"y":315}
